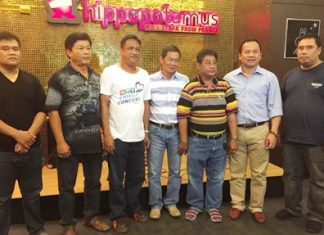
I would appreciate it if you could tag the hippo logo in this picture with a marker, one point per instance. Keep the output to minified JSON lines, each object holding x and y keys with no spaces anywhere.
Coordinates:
{"x":62,"y":11}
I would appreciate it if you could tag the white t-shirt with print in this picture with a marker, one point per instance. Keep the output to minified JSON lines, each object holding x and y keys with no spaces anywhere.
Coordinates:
{"x":127,"y":93}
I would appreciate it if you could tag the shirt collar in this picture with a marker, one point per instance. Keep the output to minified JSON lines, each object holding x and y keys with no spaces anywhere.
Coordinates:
{"x":215,"y":80}
{"x":72,"y":70}
{"x":174,"y":76}
{"x":257,"y":71}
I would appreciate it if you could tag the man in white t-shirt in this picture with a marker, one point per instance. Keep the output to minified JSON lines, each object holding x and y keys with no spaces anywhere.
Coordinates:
{"x":125,"y":94}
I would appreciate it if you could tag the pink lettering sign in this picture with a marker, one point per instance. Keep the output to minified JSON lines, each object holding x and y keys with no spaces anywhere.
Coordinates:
{"x":163,"y":19}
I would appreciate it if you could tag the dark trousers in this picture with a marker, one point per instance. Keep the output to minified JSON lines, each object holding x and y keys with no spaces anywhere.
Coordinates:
{"x":67,"y":170}
{"x":299,"y":158}
{"x":27,"y":169}
{"x":126,"y":176}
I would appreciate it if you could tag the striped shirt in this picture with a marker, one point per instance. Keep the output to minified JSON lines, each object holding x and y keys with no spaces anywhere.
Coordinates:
{"x":207,"y":107}
{"x":165,"y":94}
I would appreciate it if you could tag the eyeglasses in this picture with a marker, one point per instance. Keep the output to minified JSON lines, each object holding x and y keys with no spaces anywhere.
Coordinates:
{"x":172,"y":60}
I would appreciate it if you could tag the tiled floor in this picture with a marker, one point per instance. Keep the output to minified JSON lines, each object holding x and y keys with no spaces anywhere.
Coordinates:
{"x":202,"y":226}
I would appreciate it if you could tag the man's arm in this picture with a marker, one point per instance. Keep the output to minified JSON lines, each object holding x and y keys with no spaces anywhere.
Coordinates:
{"x":232,"y":125}
{"x":109,"y":143}
{"x":146,"y":120}
{"x":62,"y":148}
{"x":271,"y":139}
{"x":183,"y":135}
{"x":37,"y":124}
{"x":25,"y":138}
{"x":34,"y":129}
{"x":275,"y":112}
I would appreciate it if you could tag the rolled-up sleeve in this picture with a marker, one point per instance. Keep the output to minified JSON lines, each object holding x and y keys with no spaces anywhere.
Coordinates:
{"x":274,"y":98}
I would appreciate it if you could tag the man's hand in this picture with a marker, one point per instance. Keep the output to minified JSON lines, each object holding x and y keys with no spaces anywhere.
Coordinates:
{"x":182,"y":148}
{"x":146,"y":142}
{"x":63,"y":150}
{"x":270,"y":141}
{"x":19,"y":148}
{"x":25,"y":138}
{"x":109,"y":144}
{"x":232,"y":145}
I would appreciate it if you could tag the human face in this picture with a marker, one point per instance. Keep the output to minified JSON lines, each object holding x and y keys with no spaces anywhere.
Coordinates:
{"x":170,"y":63}
{"x":80,"y":54}
{"x":250,"y":55}
{"x":308,"y":53}
{"x":208,"y":67}
{"x":130,"y":53}
{"x":9,"y":53}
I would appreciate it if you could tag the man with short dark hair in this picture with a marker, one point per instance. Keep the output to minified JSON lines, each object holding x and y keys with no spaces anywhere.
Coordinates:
{"x":125,"y":94}
{"x":166,"y":86}
{"x":303,"y":125}
{"x":259,"y":113}
{"x":74,"y":116}
{"x":22,"y":115}
{"x":206,"y":109}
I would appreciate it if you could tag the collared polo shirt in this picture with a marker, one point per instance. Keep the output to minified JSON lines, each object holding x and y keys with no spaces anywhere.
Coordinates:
{"x":165,"y":94}
{"x":207,"y":108}
{"x":77,"y":101}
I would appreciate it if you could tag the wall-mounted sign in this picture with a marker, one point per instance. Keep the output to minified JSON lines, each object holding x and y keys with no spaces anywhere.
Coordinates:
{"x":295,"y":28}
{"x":62,"y":11}
{"x":164,"y":19}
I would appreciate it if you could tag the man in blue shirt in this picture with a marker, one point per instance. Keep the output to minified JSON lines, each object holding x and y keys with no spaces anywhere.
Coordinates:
{"x":258,"y":93}
{"x":166,"y":86}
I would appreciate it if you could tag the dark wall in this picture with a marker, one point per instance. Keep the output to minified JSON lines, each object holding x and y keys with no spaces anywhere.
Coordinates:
{"x":252,"y":19}
{"x":282,"y":9}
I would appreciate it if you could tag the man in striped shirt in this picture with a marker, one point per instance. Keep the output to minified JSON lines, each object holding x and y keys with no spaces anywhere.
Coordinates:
{"x":206,"y":108}
{"x":166,"y":86}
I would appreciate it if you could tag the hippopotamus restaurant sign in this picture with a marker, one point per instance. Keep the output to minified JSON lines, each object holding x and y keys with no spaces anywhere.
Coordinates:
{"x":164,"y":19}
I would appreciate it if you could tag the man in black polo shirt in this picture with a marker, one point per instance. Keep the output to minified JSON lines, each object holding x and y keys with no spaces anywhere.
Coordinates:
{"x":73,"y":105}
{"x":22,"y":115}
{"x":303,"y":96}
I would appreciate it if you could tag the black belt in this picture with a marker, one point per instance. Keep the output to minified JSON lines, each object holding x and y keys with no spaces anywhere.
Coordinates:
{"x":166,"y":126}
{"x":207,"y":137}
{"x":251,"y":125}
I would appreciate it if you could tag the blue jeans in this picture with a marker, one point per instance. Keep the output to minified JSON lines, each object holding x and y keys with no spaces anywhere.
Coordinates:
{"x":164,"y":139}
{"x":67,"y":170}
{"x":299,"y":158}
{"x":126,"y":176}
{"x":27,"y":169}
{"x":209,"y":155}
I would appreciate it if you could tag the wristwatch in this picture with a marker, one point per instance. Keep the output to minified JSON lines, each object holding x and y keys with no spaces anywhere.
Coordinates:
{"x":275,"y":133}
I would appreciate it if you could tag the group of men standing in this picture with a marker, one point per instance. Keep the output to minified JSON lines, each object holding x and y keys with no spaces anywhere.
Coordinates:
{"x":126,"y":112}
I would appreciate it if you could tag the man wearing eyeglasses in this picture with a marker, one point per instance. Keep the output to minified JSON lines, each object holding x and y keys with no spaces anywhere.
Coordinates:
{"x":166,"y":86}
